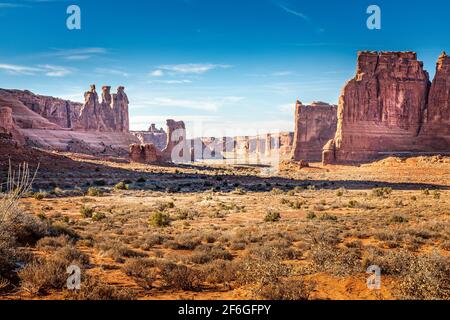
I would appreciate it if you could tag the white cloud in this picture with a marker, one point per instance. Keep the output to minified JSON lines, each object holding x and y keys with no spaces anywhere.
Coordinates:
{"x":16,"y":69}
{"x":207,"y":104}
{"x":48,"y":70}
{"x":157,"y":73}
{"x":191,"y":68}
{"x":55,"y":71}
{"x":295,"y":13}
{"x":78,"y":53}
{"x":110,"y":71}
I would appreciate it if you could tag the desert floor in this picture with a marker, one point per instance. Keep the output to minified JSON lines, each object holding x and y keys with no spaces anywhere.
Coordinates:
{"x":226,"y":232}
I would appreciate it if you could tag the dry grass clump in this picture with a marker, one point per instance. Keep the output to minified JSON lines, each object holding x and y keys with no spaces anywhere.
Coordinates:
{"x":337,"y":261}
{"x":44,"y":274}
{"x":159,"y":219}
{"x":142,"y":270}
{"x":426,"y":278}
{"x":116,"y":250}
{"x":205,"y":254}
{"x":181,"y":277}
{"x":294,"y":290}
{"x":184,"y":241}
{"x":93,"y":289}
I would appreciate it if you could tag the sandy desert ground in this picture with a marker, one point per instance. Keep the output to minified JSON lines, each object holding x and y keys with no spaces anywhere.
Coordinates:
{"x":225,"y":232}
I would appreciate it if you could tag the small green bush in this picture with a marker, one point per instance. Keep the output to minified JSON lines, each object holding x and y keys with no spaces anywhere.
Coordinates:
{"x":86,"y":212}
{"x":121,"y":186}
{"x":272,"y":216}
{"x":159,"y":219}
{"x":94,"y":192}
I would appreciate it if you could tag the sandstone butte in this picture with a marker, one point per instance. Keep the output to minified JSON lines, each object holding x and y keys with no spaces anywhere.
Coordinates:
{"x":391,"y":108}
{"x":315,"y":125}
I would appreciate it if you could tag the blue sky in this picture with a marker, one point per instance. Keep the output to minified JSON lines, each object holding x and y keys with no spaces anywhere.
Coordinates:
{"x":232,"y":65}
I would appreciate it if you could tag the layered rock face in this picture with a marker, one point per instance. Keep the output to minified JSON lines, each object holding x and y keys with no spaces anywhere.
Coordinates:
{"x":315,"y":125}
{"x":8,"y":127}
{"x":157,"y":137}
{"x":381,"y":110}
{"x":61,"y":112}
{"x":436,"y":129}
{"x":109,"y":115}
{"x":56,"y":124}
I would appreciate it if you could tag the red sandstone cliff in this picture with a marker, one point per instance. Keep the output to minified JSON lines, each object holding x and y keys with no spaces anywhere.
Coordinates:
{"x":382,"y":109}
{"x":315,"y":125}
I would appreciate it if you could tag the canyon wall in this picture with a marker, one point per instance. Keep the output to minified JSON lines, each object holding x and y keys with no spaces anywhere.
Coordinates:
{"x":98,"y":128}
{"x":109,"y":115}
{"x":388,"y":108}
{"x":315,"y":125}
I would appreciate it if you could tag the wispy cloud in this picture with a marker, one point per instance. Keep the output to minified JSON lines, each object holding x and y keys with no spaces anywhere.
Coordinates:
{"x":55,"y":71}
{"x":114,"y":72}
{"x":188,"y":68}
{"x":183,"y":81}
{"x":8,"y":5}
{"x":207,"y":104}
{"x":16,"y":69}
{"x":78,"y":53}
{"x":157,"y":73}
{"x":295,"y":13}
{"x":48,"y":70}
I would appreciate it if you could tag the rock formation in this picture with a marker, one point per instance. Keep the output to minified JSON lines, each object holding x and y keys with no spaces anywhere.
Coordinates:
{"x":8,"y":127}
{"x":315,"y":125}
{"x":62,"y":113}
{"x":120,"y":108}
{"x":111,"y":115}
{"x":157,"y":137}
{"x":56,"y":124}
{"x":436,"y":128}
{"x":145,"y":153}
{"x":177,"y":148}
{"x":382,"y":110}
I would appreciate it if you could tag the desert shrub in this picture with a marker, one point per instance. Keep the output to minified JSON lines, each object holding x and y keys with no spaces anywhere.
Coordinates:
{"x":426,"y":192}
{"x":294,"y":290}
{"x":121,"y":186}
{"x":117,"y":251}
{"x":44,"y":274}
{"x":272,"y":216}
{"x":220,"y":272}
{"x":39,"y":195}
{"x":261,"y":269}
{"x":53,"y":242}
{"x":86,"y":212}
{"x":94,"y":192}
{"x":311,"y":216}
{"x":328,"y":217}
{"x":337,"y":261}
{"x":277,"y":191}
{"x":142,"y":271}
{"x":381,"y":192}
{"x":391,"y":262}
{"x":186,"y":241}
{"x":340,"y":192}
{"x":93,"y":289}
{"x":206,"y":254}
{"x":427,"y":278}
{"x":162,"y":206}
{"x":180,"y":277}
{"x":398,"y":219}
{"x":159,"y":219}
{"x":97,"y":216}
